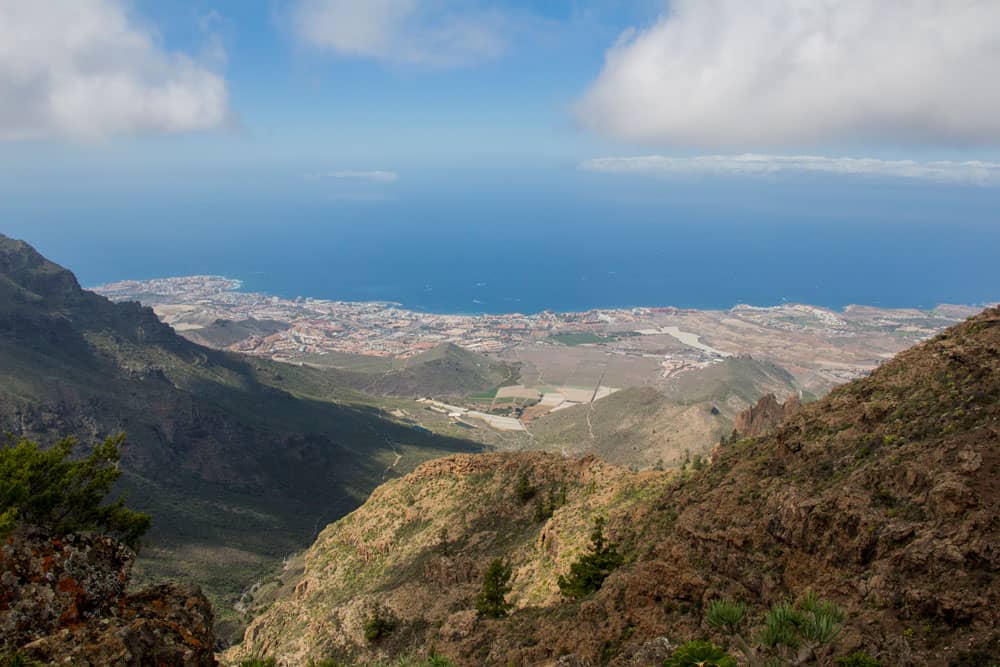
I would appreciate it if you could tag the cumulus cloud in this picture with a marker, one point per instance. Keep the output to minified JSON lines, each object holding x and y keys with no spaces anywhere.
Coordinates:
{"x":422,"y":32}
{"x":85,"y":69}
{"x":734,"y":74}
{"x":375,"y":176}
{"x":749,"y":164}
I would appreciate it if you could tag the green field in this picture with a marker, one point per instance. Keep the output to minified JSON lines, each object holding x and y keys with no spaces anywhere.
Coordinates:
{"x":573,"y":339}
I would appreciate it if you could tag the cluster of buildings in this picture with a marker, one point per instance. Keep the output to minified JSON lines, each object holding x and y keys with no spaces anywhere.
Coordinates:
{"x":318,"y":326}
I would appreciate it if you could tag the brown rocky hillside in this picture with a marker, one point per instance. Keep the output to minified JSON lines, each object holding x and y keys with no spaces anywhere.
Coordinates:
{"x":882,"y":497}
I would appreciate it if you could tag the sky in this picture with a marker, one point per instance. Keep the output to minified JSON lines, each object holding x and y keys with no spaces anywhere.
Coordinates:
{"x":115,"y":112}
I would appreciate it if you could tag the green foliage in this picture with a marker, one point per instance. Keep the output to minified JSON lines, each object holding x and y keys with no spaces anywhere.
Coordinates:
{"x":8,"y":519}
{"x":523,"y":489}
{"x":378,"y":624}
{"x":780,"y":625}
{"x":787,"y":630}
{"x":47,"y":488}
{"x":587,"y":574}
{"x":699,"y":654}
{"x":545,"y":506}
{"x":858,"y":659}
{"x":432,"y":660}
{"x":492,"y":599}
{"x":819,"y":620}
{"x":259,"y":662}
{"x":726,"y":615}
{"x":18,"y":660}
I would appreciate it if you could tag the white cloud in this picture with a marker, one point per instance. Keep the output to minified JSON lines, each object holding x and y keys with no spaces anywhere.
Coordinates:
{"x":734,"y":74}
{"x":423,"y":32}
{"x":85,"y":69}
{"x":375,"y":176}
{"x":749,"y":164}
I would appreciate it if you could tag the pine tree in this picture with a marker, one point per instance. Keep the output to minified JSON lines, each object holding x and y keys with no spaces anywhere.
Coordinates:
{"x":492,"y":599}
{"x":523,"y":489}
{"x":588,"y":573}
{"x":49,"y":489}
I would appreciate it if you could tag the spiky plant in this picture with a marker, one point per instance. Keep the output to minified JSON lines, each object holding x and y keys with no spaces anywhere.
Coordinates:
{"x":699,"y":654}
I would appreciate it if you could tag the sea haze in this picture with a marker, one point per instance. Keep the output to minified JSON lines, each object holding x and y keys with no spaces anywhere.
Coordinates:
{"x":569,"y":243}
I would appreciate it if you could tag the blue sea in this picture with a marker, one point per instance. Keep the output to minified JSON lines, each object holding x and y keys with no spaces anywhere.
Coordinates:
{"x":525,"y":244}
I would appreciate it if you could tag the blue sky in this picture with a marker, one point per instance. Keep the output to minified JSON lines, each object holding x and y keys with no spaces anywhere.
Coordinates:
{"x":120,"y":114}
{"x":446,"y":82}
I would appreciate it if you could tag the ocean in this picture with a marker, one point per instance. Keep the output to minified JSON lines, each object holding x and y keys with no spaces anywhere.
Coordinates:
{"x":564,"y":248}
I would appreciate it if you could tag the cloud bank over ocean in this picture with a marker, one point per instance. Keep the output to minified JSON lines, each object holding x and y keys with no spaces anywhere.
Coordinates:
{"x":750,"y":164}
{"x":735,"y":75}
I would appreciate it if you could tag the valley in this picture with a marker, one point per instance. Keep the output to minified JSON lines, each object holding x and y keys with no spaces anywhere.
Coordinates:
{"x":561,"y":382}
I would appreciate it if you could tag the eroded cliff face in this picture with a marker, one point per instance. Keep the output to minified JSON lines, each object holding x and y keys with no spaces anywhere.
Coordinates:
{"x":63,"y":600}
{"x":765,"y":416}
{"x":881,"y":497}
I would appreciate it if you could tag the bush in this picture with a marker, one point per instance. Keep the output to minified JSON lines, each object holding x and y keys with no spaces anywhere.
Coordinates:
{"x":726,"y":615}
{"x":858,"y":659}
{"x":492,"y":599}
{"x":787,"y":629}
{"x":432,"y":660}
{"x":259,"y":662}
{"x":523,"y":489}
{"x":699,"y":654}
{"x":587,"y":574}
{"x":378,"y":625}
{"x":46,"y":488}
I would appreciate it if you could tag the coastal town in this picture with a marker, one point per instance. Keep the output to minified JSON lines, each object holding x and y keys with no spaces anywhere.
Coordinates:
{"x":317,"y":326}
{"x":591,"y":349}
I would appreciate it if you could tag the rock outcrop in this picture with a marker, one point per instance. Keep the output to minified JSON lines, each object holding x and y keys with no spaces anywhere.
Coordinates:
{"x":63,"y":600}
{"x":764,"y":417}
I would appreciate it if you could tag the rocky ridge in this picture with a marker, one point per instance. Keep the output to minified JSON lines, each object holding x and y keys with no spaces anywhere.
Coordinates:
{"x":765,"y":416}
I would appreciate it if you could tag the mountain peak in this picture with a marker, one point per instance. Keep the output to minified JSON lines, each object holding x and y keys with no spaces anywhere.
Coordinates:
{"x":24,"y":268}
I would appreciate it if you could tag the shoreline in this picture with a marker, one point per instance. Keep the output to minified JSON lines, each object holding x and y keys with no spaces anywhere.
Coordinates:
{"x":239,"y":286}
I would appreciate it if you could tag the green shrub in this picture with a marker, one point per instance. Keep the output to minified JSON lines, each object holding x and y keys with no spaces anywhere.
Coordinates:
{"x":45,"y":488}
{"x":378,"y":625}
{"x":492,"y":599}
{"x":726,"y":615}
{"x":18,"y":660}
{"x":523,"y":489}
{"x":858,"y":659}
{"x":587,"y":574}
{"x":787,"y":630}
{"x":432,"y":660}
{"x":699,"y":654}
{"x":259,"y":662}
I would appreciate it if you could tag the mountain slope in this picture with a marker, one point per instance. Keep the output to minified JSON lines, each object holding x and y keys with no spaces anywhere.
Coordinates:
{"x":881,"y":497}
{"x":732,"y":384}
{"x":634,"y":427}
{"x":663,"y":427}
{"x":445,"y":370}
{"x":238,"y":460}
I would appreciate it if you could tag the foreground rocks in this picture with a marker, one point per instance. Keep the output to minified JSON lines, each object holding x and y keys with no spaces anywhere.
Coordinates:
{"x":63,"y":601}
